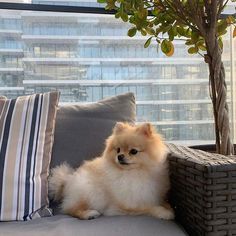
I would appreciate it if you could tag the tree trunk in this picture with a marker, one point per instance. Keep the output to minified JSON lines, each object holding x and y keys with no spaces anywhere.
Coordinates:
{"x":218,"y":92}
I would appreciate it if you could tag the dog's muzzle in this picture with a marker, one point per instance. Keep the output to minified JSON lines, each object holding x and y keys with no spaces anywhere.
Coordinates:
{"x":121,"y":159}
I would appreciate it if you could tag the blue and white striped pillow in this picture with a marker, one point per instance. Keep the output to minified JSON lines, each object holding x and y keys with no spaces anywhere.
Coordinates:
{"x":26,"y":138}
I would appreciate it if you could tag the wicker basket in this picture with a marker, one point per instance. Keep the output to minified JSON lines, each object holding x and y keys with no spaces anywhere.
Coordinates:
{"x":203,"y":191}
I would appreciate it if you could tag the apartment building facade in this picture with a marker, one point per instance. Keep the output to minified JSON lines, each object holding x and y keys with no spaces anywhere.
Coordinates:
{"x":89,"y":57}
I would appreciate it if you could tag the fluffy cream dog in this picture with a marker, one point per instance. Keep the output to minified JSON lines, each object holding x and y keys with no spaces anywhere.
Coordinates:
{"x":130,"y":178}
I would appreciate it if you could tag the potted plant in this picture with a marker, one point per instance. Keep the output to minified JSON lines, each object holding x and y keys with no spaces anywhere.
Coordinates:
{"x":200,"y":25}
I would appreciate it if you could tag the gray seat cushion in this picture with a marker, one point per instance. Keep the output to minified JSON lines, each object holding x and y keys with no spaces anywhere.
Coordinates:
{"x":62,"y":225}
{"x":81,"y":130}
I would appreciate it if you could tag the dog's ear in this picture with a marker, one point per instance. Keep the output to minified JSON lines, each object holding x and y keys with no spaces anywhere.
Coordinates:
{"x":146,"y":129}
{"x":119,"y":127}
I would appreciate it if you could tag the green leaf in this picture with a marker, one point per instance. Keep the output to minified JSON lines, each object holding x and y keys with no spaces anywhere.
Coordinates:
{"x":143,"y":32}
{"x":167,"y":47}
{"x":132,"y":19}
{"x":143,"y":13}
{"x":150,"y":24}
{"x":132,"y":32}
{"x":147,"y":43}
{"x":147,"y":4}
{"x":155,"y":12}
{"x":172,"y":33}
{"x":189,"y":42}
{"x":150,"y":31}
{"x":157,"y":21}
{"x":230,"y":19}
{"x":194,"y":36}
{"x":117,"y":15}
{"x":202,"y":47}
{"x":201,"y":44}
{"x":158,"y":30}
{"x":181,"y":31}
{"x":166,"y":28}
{"x":164,"y":46}
{"x":124,"y":16}
{"x":110,"y":5}
{"x":174,"y":29}
{"x":193,"y":50}
{"x":188,"y":33}
{"x":221,"y":27}
{"x":101,"y":1}
{"x":220,"y":42}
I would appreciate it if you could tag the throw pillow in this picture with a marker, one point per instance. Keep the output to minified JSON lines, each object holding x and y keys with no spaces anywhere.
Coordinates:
{"x":81,"y":130}
{"x":26,"y":138}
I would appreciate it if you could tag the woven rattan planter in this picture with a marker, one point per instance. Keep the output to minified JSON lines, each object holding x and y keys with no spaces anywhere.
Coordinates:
{"x":203,"y":191}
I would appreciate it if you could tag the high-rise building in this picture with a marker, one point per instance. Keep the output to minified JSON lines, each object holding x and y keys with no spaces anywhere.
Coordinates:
{"x":89,"y":57}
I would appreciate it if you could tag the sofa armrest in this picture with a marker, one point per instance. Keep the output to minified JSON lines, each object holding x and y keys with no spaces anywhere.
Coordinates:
{"x":203,"y":191}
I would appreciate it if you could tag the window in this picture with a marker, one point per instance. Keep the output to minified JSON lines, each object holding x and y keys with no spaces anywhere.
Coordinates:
{"x":90,"y":57}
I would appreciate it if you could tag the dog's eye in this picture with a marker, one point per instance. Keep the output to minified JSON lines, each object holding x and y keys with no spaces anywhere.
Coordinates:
{"x":118,"y":150}
{"x":133,"y":151}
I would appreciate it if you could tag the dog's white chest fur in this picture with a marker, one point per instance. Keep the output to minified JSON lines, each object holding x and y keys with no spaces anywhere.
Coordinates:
{"x":133,"y":188}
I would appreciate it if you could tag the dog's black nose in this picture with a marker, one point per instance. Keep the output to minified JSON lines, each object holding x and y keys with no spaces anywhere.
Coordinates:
{"x":121,"y":157}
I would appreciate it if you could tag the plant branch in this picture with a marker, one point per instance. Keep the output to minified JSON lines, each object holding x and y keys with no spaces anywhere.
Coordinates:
{"x":221,"y":7}
{"x":213,"y":14}
{"x":200,"y":54}
{"x":197,"y":18}
{"x":178,"y":11}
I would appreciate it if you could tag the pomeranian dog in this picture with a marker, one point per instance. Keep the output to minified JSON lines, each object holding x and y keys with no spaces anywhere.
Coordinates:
{"x":130,"y":178}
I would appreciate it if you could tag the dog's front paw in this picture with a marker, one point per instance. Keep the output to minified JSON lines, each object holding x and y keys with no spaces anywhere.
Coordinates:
{"x":163,"y":213}
{"x":91,"y":214}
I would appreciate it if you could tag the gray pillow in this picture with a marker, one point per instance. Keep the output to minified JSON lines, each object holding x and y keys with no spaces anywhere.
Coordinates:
{"x":81,"y":130}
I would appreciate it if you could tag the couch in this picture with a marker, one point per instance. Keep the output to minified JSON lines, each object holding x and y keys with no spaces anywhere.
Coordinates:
{"x":203,"y":185}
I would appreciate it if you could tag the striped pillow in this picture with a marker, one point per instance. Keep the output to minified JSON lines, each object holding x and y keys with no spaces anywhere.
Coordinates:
{"x":26,"y":138}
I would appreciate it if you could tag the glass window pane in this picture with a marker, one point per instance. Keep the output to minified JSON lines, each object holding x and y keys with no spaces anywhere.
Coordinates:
{"x":90,"y":57}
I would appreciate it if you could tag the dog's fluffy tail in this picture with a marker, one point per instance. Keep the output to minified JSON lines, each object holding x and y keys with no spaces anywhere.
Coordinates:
{"x":57,"y":181}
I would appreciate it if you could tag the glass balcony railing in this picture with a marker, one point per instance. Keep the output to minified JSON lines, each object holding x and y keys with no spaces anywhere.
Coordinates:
{"x":90,"y":57}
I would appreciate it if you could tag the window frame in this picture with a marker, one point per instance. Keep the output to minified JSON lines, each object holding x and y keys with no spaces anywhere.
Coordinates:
{"x":62,"y":8}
